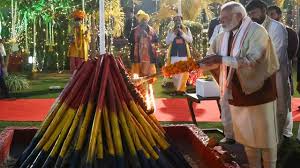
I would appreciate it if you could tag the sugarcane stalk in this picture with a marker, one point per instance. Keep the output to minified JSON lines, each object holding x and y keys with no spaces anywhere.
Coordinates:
{"x":124,"y":126}
{"x":100,"y":150}
{"x":137,"y":115}
{"x":160,"y":140}
{"x":108,"y":134}
{"x":58,"y":117}
{"x":94,"y":136}
{"x":151,"y":122}
{"x":67,"y":125}
{"x":52,"y":112}
{"x":115,"y":126}
{"x":133,"y":132}
{"x":145,"y":141}
{"x":50,"y":160}
{"x":87,"y":117}
{"x":64,"y":107}
{"x":70,"y":135}
{"x":45,"y":150}
{"x":154,"y":119}
{"x":133,"y":108}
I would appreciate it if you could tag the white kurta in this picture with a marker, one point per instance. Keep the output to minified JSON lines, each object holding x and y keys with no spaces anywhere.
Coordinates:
{"x":279,"y":38}
{"x":255,"y":126}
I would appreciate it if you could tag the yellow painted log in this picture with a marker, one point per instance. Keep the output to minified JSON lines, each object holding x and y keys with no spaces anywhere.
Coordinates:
{"x":160,"y":140}
{"x":148,"y":147}
{"x":53,"y":126}
{"x":93,"y":137}
{"x":72,"y":129}
{"x":125,"y":129}
{"x":109,"y":140}
{"x":100,"y":154}
{"x":85,"y":124}
{"x":64,"y":132}
{"x":58,"y":130}
{"x":116,"y":133}
{"x":132,"y":130}
{"x":151,"y":122}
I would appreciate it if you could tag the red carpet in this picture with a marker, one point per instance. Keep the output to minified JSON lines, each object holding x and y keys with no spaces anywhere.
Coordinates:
{"x":167,"y":110}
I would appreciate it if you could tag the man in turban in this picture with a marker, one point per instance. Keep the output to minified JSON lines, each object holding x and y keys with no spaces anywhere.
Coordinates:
{"x":143,"y":52}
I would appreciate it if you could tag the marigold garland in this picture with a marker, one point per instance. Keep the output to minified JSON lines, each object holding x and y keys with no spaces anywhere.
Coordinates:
{"x":180,"y":67}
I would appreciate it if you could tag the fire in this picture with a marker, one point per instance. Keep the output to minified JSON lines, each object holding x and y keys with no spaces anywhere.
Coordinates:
{"x":150,"y":101}
{"x":152,"y":97}
{"x":135,"y":76}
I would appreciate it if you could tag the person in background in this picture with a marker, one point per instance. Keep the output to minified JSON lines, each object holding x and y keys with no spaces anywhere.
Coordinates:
{"x":80,"y":40}
{"x":211,"y":27}
{"x":275,"y":13}
{"x":3,"y":86}
{"x":257,"y":10}
{"x":143,"y":50}
{"x":245,"y":64}
{"x":178,"y":40}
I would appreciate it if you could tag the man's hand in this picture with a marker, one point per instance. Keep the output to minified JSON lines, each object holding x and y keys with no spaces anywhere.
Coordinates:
{"x":211,"y":60}
{"x":179,"y":31}
{"x":298,"y":87}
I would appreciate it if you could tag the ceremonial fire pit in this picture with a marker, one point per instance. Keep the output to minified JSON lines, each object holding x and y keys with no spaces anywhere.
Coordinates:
{"x":189,"y":140}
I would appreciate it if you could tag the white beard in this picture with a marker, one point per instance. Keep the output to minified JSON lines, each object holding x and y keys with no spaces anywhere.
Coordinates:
{"x":234,"y":23}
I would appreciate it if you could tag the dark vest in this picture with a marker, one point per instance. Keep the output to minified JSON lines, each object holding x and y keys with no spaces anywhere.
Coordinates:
{"x":179,"y":47}
{"x":264,"y":95}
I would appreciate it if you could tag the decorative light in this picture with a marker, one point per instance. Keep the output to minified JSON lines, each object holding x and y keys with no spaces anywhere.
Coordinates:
{"x":30,"y":59}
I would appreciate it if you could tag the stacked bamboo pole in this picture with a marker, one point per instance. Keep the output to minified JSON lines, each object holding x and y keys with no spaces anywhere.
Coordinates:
{"x":98,"y":121}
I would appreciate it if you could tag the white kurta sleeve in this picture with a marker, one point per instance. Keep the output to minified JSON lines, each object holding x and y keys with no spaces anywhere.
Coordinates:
{"x":279,"y":37}
{"x":170,"y":37}
{"x":187,"y":36}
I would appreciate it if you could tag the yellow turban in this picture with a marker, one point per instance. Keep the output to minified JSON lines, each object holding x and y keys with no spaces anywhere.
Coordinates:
{"x":141,"y":15}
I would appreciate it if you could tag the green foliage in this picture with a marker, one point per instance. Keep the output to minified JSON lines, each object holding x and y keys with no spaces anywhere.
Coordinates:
{"x":16,"y":83}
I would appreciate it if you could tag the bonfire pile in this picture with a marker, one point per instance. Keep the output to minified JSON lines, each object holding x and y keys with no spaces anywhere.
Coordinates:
{"x":98,"y":121}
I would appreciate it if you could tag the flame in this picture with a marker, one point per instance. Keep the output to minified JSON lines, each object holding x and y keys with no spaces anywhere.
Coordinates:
{"x":152,"y":97}
{"x":150,"y":101}
{"x":135,"y":76}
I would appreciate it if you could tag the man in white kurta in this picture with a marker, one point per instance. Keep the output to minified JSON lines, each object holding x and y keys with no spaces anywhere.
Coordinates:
{"x":293,"y":41}
{"x":257,"y":10}
{"x":178,"y":39}
{"x":245,"y":60}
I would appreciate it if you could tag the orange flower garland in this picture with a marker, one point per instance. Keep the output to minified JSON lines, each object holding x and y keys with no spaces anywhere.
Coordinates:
{"x":180,"y":67}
